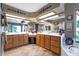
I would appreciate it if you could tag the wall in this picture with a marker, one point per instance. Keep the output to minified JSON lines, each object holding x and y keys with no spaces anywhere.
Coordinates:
{"x":61,"y":24}
{"x":69,"y":10}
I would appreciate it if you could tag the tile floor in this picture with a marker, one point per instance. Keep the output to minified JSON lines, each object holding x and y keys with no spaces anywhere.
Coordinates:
{"x":28,"y":50}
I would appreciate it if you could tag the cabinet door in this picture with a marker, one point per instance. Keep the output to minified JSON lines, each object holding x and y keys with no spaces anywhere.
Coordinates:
{"x":55,"y":38}
{"x":42,"y":40}
{"x":55,"y":50}
{"x":47,"y":41}
{"x":38,"y":39}
{"x":20,"y":38}
{"x":9,"y":43}
{"x":15,"y":41}
{"x":25,"y":39}
{"x":56,"y":45}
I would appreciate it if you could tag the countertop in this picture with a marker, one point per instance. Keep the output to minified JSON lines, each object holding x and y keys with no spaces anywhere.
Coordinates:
{"x":52,"y":34}
{"x":10,"y":33}
{"x":68,"y":50}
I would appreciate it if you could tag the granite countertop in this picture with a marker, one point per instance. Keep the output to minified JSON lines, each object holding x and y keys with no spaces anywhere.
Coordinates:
{"x":45,"y":33}
{"x":10,"y":33}
{"x":70,"y":51}
{"x":16,"y":33}
{"x":52,"y":34}
{"x":31,"y":33}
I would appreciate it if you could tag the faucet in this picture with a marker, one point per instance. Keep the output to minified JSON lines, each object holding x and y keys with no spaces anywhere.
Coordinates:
{"x":70,"y":47}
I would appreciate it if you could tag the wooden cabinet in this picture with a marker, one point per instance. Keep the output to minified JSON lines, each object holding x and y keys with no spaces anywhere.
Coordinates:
{"x":20,"y":39}
{"x":9,"y":43}
{"x":55,"y":49}
{"x":25,"y":39}
{"x":56,"y":45}
{"x":42,"y":40}
{"x":52,"y":43}
{"x":38,"y":39}
{"x":47,"y":41}
{"x":16,"y":40}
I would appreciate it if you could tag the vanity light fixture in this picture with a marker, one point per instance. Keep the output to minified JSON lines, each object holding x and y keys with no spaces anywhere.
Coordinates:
{"x":27,"y":21}
{"x":42,"y":21}
{"x":9,"y":15}
{"x":11,"y":19}
{"x":52,"y":17}
{"x":46,"y":15}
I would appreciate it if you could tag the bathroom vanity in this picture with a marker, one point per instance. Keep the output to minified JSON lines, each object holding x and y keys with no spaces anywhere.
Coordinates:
{"x":15,"y":40}
{"x":51,"y":42}
{"x":48,"y":41}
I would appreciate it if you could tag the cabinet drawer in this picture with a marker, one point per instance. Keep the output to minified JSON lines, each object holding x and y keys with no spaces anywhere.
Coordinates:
{"x":55,"y":43}
{"x":55,"y":49}
{"x":25,"y":35}
{"x":38,"y":35}
{"x":55,"y":38}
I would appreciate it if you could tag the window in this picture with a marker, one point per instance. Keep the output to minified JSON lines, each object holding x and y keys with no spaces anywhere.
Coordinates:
{"x":48,"y":28}
{"x":9,"y":27}
{"x":24,"y":28}
{"x":15,"y":25}
{"x":16,"y":28}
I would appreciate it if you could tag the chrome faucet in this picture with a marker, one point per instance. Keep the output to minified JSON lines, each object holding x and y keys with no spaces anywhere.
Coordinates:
{"x":70,"y":47}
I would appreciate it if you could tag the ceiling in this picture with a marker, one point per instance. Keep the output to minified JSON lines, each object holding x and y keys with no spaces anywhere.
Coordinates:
{"x":29,"y":7}
{"x":60,"y":8}
{"x":32,"y":9}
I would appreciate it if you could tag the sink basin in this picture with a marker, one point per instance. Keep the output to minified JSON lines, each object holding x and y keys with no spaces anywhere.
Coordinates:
{"x":74,"y":50}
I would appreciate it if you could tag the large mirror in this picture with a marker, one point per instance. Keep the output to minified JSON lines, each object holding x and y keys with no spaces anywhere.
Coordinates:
{"x":77,"y":25}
